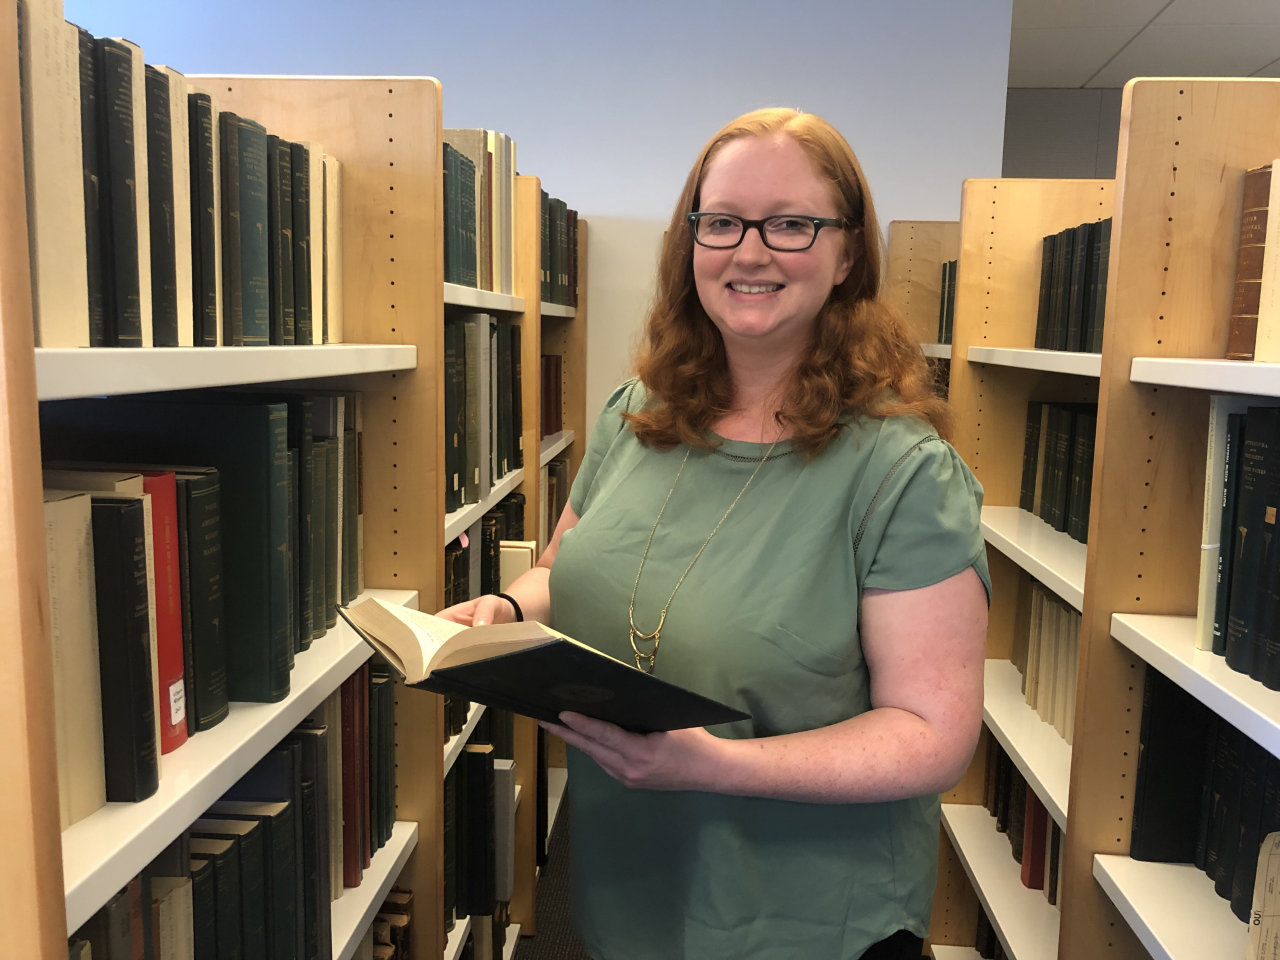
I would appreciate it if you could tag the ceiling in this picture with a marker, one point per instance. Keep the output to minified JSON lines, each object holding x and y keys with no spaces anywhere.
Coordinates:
{"x":1105,"y":43}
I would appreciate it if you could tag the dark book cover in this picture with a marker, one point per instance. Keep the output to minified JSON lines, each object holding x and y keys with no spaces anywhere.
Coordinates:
{"x":225,"y":858}
{"x":1247,"y":775}
{"x":319,"y":535}
{"x":280,"y":868}
{"x":204,"y":263}
{"x":476,"y":763}
{"x":1054,"y":331}
{"x":465,"y":184}
{"x":332,"y":555}
{"x":1100,"y":285}
{"x":1075,"y":289}
{"x":352,"y":861}
{"x":280,"y":239}
{"x":1004,"y":767}
{"x":542,"y":813}
{"x":450,"y":845}
{"x":184,"y":580}
{"x":1206,"y":789}
{"x":1173,"y":739}
{"x":164,"y":257}
{"x":1269,"y":823}
{"x":474,"y":332}
{"x":300,"y":164}
{"x":491,"y":535}
{"x":246,"y":443}
{"x":452,"y":449}
{"x":952,"y":279}
{"x":362,"y":751}
{"x":1046,"y":287}
{"x":374,"y":745}
{"x":1092,"y":232}
{"x":385,"y":682}
{"x":1081,"y":478}
{"x":1030,"y":452}
{"x":1017,"y":812}
{"x":1261,"y":446}
{"x":124,"y":649}
{"x":1243,"y":327}
{"x":118,"y":210}
{"x":350,"y":503}
{"x":546,"y":247}
{"x":1257,"y":763}
{"x":1228,"y":769}
{"x":255,"y":267}
{"x":233,"y":304}
{"x":248,"y":838}
{"x":517,"y":403}
{"x":204,"y":910}
{"x":1227,"y":536}
{"x":203,"y":584}
{"x":1035,"y":834}
{"x":513,"y":505}
{"x":506,"y":445}
{"x":94,"y":184}
{"x":312,"y":908}
{"x":313,"y":742}
{"x":448,"y":175}
{"x":1055,"y":854}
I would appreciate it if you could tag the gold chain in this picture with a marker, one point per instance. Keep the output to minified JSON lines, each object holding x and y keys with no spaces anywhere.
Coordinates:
{"x":656,"y":636}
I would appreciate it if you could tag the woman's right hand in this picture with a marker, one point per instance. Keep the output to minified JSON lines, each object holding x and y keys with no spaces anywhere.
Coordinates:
{"x":480,"y":611}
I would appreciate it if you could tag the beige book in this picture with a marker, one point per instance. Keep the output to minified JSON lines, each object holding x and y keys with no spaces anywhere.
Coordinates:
{"x":217,"y":205}
{"x":331,"y":254}
{"x":1267,"y":345}
{"x":504,"y":828}
{"x":179,"y":125}
{"x":1075,"y":676}
{"x":73,"y":622}
{"x":518,"y":557}
{"x":141,"y":196}
{"x":49,"y":80}
{"x":172,"y":897}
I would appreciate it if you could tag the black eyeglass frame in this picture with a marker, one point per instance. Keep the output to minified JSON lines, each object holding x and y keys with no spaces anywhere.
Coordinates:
{"x":818,"y":223}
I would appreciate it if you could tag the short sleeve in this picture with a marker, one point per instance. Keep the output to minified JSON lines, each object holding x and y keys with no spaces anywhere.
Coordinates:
{"x":926,"y":524}
{"x":609,"y":425}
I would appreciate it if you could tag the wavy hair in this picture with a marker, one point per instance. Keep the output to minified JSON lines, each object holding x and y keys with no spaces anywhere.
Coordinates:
{"x":862,"y":357}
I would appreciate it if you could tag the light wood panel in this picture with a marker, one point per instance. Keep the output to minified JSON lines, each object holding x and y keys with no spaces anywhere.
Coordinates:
{"x":1184,"y":147}
{"x":955,"y":904}
{"x":32,"y":914}
{"x":913,"y":277}
{"x":386,"y":132}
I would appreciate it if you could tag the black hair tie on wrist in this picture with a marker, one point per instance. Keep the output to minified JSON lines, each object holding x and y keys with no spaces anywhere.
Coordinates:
{"x":512,"y":600}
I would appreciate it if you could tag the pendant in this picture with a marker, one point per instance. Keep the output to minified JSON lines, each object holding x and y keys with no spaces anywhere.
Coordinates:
{"x":649,"y":658}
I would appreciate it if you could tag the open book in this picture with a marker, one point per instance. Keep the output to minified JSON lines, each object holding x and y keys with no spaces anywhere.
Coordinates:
{"x":527,"y":668}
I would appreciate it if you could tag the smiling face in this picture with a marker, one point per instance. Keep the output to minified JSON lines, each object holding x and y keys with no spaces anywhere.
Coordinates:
{"x":757,"y":297}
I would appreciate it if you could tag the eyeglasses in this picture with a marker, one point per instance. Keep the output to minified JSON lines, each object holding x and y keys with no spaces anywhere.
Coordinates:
{"x":788,"y":232}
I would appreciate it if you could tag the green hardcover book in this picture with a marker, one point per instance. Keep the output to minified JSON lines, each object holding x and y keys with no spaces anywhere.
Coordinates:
{"x":246,"y":443}
{"x":1100,"y":285}
{"x":464,"y":183}
{"x":448,"y":175}
{"x":1046,"y":283}
{"x":1030,"y":448}
{"x":163,"y":239}
{"x":291,"y":554}
{"x":313,"y":743}
{"x":319,"y":536}
{"x":200,"y":554}
{"x":204,"y":910}
{"x":332,"y":559}
{"x":373,"y":748}
{"x":1265,"y":635}
{"x":248,"y":837}
{"x":1260,"y":452}
{"x":476,"y":331}
{"x":1061,"y":253}
{"x":310,"y":865}
{"x":1092,"y":230}
{"x":280,"y":239}
{"x":255,"y":266}
{"x":280,"y":860}
{"x":232,"y":271}
{"x":300,"y":164}
{"x":452,"y":447}
{"x":506,"y":444}
{"x":951,"y":298}
{"x":119,"y":129}
{"x":204,"y":262}
{"x":94,"y":179}
{"x":226,"y":885}
{"x":1075,"y":288}
{"x":350,"y":503}
{"x":1045,"y":474}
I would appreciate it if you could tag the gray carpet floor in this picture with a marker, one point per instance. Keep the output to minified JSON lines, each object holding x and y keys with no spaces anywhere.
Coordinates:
{"x":555,"y":939}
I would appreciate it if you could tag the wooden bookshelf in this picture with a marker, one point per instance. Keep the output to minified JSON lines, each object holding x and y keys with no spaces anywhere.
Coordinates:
{"x":913,"y":274}
{"x":565,"y":333}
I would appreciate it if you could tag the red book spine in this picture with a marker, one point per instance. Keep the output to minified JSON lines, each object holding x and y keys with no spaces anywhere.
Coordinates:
{"x":172,"y":700}
{"x":1033,"y":842}
{"x":351,"y":868}
{"x":135,"y":916}
{"x":366,"y":801}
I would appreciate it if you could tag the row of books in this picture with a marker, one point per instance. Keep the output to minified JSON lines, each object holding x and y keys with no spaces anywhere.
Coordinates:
{"x":1205,"y":793}
{"x":255,"y":875}
{"x":1073,"y":288}
{"x":479,"y":209}
{"x":1047,"y":654}
{"x":986,"y":942}
{"x":1254,"y":328}
{"x":1057,"y":465}
{"x":501,"y":531}
{"x":483,"y":410}
{"x":176,"y":589}
{"x":559,"y":252}
{"x":552,"y":397}
{"x":154,"y":218}
{"x":1035,"y":839}
{"x":947,"y":302}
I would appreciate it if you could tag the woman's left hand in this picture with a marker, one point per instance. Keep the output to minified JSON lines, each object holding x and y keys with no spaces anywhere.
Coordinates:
{"x":678,"y":760}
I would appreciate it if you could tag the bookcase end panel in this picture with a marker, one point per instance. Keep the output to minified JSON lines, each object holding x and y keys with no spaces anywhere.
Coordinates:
{"x":955,"y":903}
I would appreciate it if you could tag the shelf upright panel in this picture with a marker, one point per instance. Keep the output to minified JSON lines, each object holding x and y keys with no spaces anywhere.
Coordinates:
{"x":1183,"y":150}
{"x":386,"y":132}
{"x":913,"y":277}
{"x":31,"y":876}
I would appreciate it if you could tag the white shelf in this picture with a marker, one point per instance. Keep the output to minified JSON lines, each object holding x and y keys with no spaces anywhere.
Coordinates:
{"x":456,"y":295}
{"x":455,"y":744}
{"x":943,"y":952}
{"x":940,"y":350}
{"x":1051,"y":557}
{"x":553,"y":445}
{"x":556,"y":310}
{"x":1169,"y":645}
{"x":460,"y":520}
{"x":513,"y":938}
{"x":457,"y":938}
{"x":356,"y":908}
{"x":104,"y":851}
{"x":1173,"y":908}
{"x":1042,"y":756}
{"x":1026,"y":923}
{"x":1053,"y":361}
{"x":62,"y":374}
{"x":1220,"y":376}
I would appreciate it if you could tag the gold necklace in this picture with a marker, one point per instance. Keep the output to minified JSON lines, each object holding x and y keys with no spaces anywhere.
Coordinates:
{"x":656,"y":637}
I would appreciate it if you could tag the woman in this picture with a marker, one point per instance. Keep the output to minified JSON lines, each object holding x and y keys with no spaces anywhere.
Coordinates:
{"x":768,"y":516}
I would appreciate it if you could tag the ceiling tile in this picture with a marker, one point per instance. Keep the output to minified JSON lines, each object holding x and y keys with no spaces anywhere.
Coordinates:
{"x":1040,"y":14}
{"x":1210,"y":50}
{"x":1063,"y":57}
{"x":1197,"y":12}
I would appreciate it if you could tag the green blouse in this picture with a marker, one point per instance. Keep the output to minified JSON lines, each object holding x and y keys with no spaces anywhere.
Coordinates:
{"x":767,"y":621}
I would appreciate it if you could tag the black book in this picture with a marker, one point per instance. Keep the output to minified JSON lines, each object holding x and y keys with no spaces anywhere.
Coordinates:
{"x":1046,"y":292}
{"x":332,"y":556}
{"x":1173,"y":739}
{"x":118,"y":210}
{"x":517,"y":407}
{"x":248,"y":836}
{"x":492,"y":529}
{"x":124,"y":649}
{"x":314,"y":744}
{"x":246,"y":443}
{"x":1100,"y":285}
{"x":1076,"y":290}
{"x":1247,"y":775}
{"x":513,"y":506}
{"x":1030,"y":453}
{"x":1053,"y":323}
{"x":452,"y":420}
{"x":1085,"y":424}
{"x":319,"y":535}
{"x":204,"y":647}
{"x":1017,"y":812}
{"x":385,"y":676}
{"x":1257,"y":765}
{"x":449,"y":175}
{"x":478,"y":896}
{"x":463,"y":401}
{"x":1260,"y":448}
{"x":225,"y":858}
{"x":1269,"y":822}
{"x":465,"y":185}
{"x":1055,"y":854}
{"x":280,"y":238}
{"x":204,"y":262}
{"x":942,"y":304}
{"x":1206,"y":789}
{"x":1094,"y":230}
{"x":164,"y":257}
{"x":291,"y":554}
{"x":1228,"y":766}
{"x":951,"y":299}
{"x":94,"y":183}
{"x":280,"y":868}
{"x":310,"y":871}
{"x":525,"y":668}
{"x":1227,"y":536}
{"x":1050,"y":429}
{"x":350,"y":507}
{"x":506,"y":447}
{"x":255,"y":258}
{"x":1000,"y":796}
{"x":1063,"y":440}
{"x":204,"y":909}
{"x":232,"y":269}
{"x":300,"y":163}
{"x":450,"y":846}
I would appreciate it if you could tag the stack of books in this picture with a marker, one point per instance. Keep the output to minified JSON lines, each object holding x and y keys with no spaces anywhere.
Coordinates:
{"x":1073,"y":288}
{"x":1057,"y":465}
{"x":1047,"y":655}
{"x":479,"y":209}
{"x":190,"y":574}
{"x":559,"y":252}
{"x":154,"y":218}
{"x":1035,"y":839}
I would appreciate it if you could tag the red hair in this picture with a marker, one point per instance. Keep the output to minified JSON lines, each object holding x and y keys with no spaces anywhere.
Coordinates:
{"x":862,"y":357}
